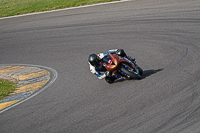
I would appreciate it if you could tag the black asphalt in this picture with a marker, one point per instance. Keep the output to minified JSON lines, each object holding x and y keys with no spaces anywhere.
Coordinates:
{"x":163,"y":36}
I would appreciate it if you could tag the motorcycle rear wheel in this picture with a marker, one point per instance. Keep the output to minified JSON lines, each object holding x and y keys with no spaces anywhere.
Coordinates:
{"x":109,"y":80}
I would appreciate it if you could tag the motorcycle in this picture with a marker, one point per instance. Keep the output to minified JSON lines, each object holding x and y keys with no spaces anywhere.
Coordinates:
{"x":121,"y":67}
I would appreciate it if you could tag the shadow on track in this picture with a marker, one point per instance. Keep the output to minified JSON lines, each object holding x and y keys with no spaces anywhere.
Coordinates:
{"x":148,"y":73}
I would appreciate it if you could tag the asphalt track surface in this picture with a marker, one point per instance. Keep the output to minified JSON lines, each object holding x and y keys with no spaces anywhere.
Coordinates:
{"x":163,"y":36}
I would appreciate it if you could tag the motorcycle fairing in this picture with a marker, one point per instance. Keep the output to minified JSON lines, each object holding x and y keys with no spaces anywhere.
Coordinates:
{"x":115,"y":62}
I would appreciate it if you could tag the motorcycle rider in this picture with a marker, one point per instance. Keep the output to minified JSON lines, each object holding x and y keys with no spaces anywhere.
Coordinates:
{"x":97,"y":66}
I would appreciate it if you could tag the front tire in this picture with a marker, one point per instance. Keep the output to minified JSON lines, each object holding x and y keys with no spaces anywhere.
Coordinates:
{"x":140,"y":71}
{"x":130,"y":73}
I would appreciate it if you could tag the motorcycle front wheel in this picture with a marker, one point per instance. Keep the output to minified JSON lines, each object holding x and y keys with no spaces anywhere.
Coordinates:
{"x":140,"y":71}
{"x":132,"y":74}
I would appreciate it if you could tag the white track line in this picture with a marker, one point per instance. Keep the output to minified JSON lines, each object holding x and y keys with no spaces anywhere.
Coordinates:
{"x":65,"y":9}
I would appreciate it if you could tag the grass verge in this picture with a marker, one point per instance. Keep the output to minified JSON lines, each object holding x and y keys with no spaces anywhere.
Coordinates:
{"x":17,"y":7}
{"x":6,"y":87}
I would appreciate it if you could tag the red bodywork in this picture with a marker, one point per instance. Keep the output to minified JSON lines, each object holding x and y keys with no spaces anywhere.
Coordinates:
{"x":115,"y":61}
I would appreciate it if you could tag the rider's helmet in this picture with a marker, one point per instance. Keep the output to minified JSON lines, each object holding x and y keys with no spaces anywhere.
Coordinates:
{"x":93,"y":59}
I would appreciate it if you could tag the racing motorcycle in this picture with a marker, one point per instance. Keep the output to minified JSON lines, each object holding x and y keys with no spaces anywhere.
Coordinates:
{"x":121,"y":67}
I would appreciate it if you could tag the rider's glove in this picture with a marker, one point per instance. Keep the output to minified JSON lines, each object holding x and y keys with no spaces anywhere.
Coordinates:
{"x":118,"y":52}
{"x":121,"y":52}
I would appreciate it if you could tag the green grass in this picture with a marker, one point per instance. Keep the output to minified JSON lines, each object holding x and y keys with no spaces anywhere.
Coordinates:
{"x":17,"y":7}
{"x":6,"y":87}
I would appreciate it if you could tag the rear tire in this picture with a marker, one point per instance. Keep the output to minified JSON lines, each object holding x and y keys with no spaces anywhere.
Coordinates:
{"x":110,"y":80}
{"x":130,"y":73}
